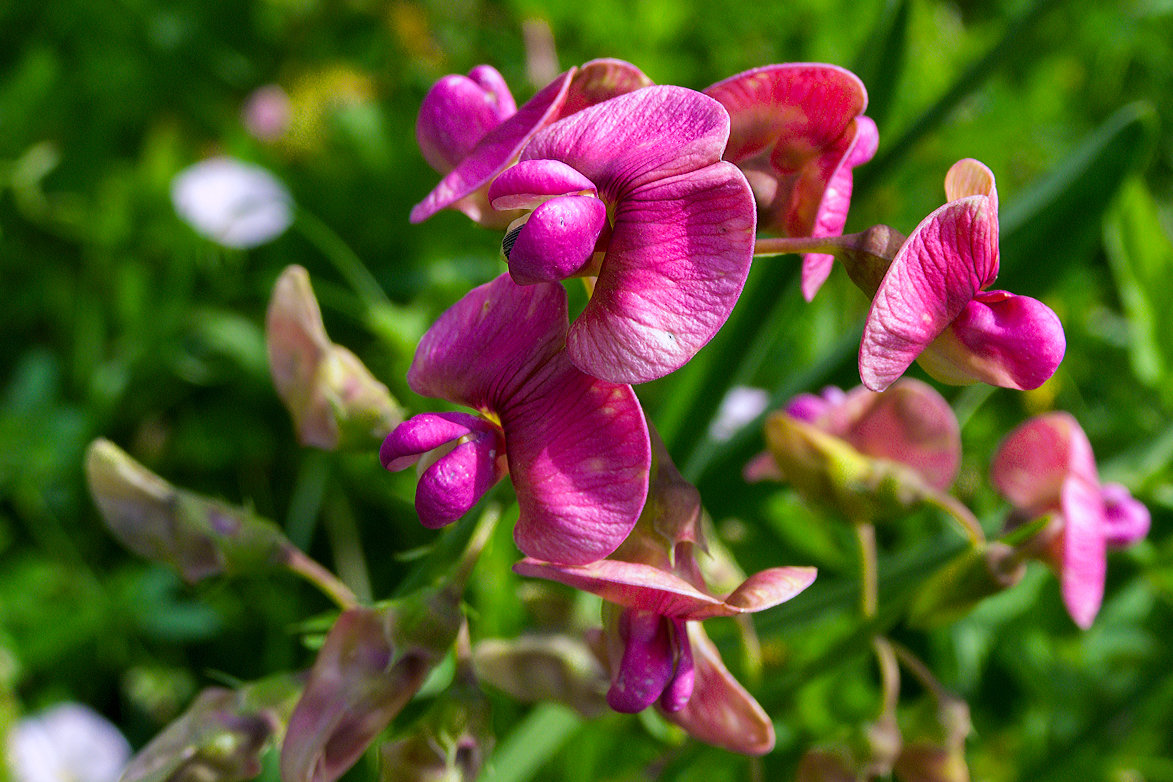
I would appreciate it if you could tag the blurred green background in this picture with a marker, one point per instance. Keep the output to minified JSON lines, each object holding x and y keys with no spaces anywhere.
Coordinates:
{"x":119,"y":321}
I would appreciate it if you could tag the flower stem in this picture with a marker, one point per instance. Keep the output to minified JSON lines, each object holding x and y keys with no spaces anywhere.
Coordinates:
{"x":869,"y":587}
{"x":962,"y":517}
{"x":889,"y":673}
{"x":798,"y":244}
{"x":323,"y":579}
{"x":344,"y":259}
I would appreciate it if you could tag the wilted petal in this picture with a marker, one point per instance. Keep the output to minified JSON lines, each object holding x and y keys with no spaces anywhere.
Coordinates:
{"x":233,"y":203}
{"x":1083,"y":565}
{"x":1126,"y":520}
{"x":768,"y":588}
{"x":458,"y":112}
{"x":647,"y":664}
{"x":579,"y":456}
{"x":354,"y":691}
{"x":493,"y":153}
{"x":485,"y":347}
{"x":950,"y":256}
{"x":1000,"y":339}
{"x":557,"y":241}
{"x":720,"y":711}
{"x":970,"y":177}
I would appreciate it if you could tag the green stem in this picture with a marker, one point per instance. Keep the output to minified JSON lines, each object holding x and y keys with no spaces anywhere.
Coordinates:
{"x":344,"y":259}
{"x":868,"y":571}
{"x":919,"y":670}
{"x":961,"y":516}
{"x":778,"y":245}
{"x":299,"y":563}
{"x":889,"y":673}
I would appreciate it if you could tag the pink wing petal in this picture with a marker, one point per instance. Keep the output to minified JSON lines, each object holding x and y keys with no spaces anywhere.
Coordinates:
{"x":419,"y":434}
{"x":1034,"y":460}
{"x":1083,"y":565}
{"x":768,"y":588}
{"x":557,"y":241}
{"x":720,"y":711}
{"x":677,"y":260}
{"x":1126,"y":520}
{"x":1000,"y":339}
{"x":633,"y":585}
{"x":458,"y":112}
{"x":495,"y":150}
{"x":579,"y":455}
{"x":455,"y":482}
{"x":950,"y":256}
{"x":485,"y":347}
{"x":647,"y":663}
{"x":530,"y":182}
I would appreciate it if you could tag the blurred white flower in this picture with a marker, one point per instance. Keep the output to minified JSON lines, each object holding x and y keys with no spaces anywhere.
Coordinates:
{"x":67,"y":743}
{"x":233,"y":203}
{"x":741,"y":405}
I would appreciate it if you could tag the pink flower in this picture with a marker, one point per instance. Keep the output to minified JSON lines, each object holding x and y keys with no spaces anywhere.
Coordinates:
{"x":932,"y":303}
{"x":797,"y":131}
{"x":1046,"y":466}
{"x":633,"y":190}
{"x":575,"y":447}
{"x":469,"y":128}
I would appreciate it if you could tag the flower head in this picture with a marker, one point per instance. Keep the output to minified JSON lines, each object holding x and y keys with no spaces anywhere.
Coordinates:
{"x":932,"y":303}
{"x":1046,"y":466}
{"x":633,"y":191}
{"x":575,"y":447}
{"x":797,"y":131}
{"x":469,"y":128}
{"x":657,"y":650}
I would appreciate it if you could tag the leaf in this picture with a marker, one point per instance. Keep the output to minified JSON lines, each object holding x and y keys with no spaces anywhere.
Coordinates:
{"x":881,"y":63}
{"x":1140,"y":255}
{"x":1059,"y":218}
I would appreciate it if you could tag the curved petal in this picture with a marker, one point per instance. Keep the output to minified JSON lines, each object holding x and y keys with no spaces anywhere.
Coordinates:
{"x":768,"y":588}
{"x":970,"y":177}
{"x":647,"y":664}
{"x":950,"y":256}
{"x":1126,"y":520}
{"x":720,"y":711}
{"x":831,"y":216}
{"x":456,"y":481}
{"x":485,"y":347}
{"x":419,"y":434}
{"x":600,"y":80}
{"x":530,"y":182}
{"x":1000,"y":339}
{"x":458,"y":112}
{"x":495,"y":150}
{"x":1034,"y":460}
{"x":579,"y":454}
{"x":811,"y":407}
{"x":636,"y":138}
{"x":633,"y":585}
{"x":678,"y":257}
{"x":1083,"y":566}
{"x":557,"y":241}
{"x":679,"y":688}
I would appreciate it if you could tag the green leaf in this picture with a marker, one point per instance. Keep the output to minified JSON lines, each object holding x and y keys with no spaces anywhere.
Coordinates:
{"x":1140,"y":255}
{"x":881,"y":63}
{"x":1059,"y":218}
{"x":531,"y":744}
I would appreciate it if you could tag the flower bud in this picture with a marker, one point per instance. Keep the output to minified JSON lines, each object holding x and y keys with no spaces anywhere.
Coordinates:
{"x":197,"y":535}
{"x":335,"y":401}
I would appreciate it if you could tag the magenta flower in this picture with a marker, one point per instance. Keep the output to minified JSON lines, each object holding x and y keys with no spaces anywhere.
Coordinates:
{"x":932,"y":304}
{"x":634,"y":191}
{"x":797,"y":131}
{"x":1046,"y":466}
{"x":469,"y":128}
{"x":575,"y":447}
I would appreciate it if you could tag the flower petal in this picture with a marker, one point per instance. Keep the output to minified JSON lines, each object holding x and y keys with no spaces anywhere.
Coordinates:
{"x":419,"y":434}
{"x":720,"y":711}
{"x":647,"y":664}
{"x":495,"y":150}
{"x":950,"y":256}
{"x":1000,"y":339}
{"x":530,"y":182}
{"x":1083,"y":565}
{"x":579,"y":455}
{"x":768,"y":588}
{"x":970,"y":177}
{"x":456,"y":481}
{"x":1035,"y":459}
{"x":557,"y":241}
{"x":633,"y":585}
{"x":1126,"y":520}
{"x":458,"y":112}
{"x":679,"y":688}
{"x":485,"y":347}
{"x":676,"y":262}
{"x":600,"y":80}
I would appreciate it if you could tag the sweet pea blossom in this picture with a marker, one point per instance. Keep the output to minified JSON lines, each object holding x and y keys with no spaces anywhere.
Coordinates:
{"x":469,"y":128}
{"x":575,"y":447}
{"x":634,"y":192}
{"x":932,"y":305}
{"x":797,"y":131}
{"x":652,"y":637}
{"x":1046,"y":466}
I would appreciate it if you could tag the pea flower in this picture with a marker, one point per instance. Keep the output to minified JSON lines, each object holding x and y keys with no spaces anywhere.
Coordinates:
{"x":233,"y":203}
{"x":932,"y":303}
{"x":469,"y":128}
{"x":657,"y":650}
{"x":633,"y":191}
{"x":1046,"y":466}
{"x":797,"y":131}
{"x":575,"y":447}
